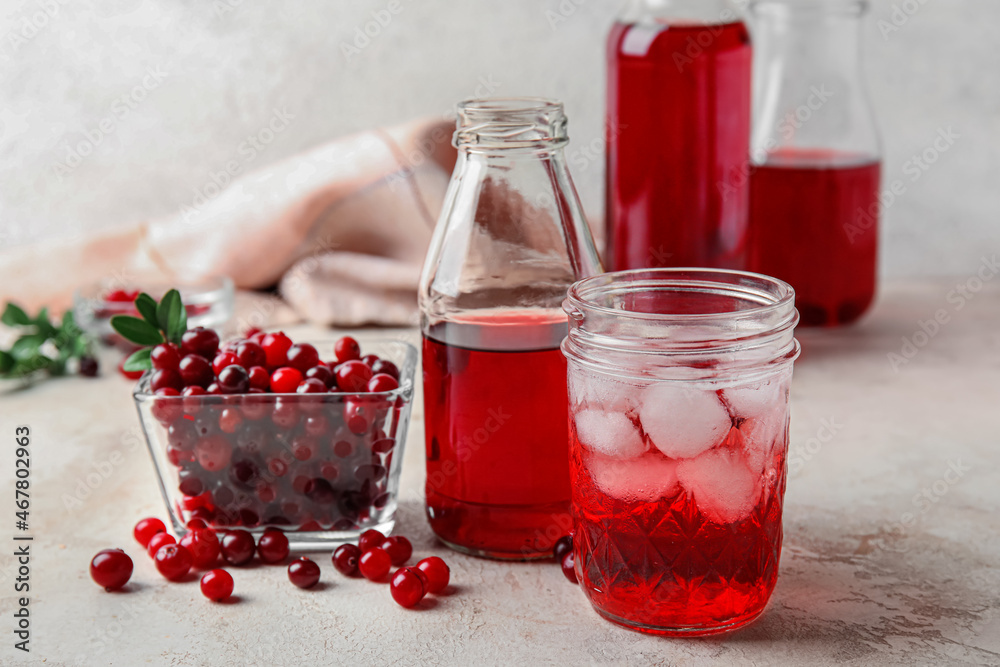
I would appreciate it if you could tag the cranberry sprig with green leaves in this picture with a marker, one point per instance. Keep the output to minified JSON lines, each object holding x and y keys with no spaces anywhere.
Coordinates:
{"x":44,"y":346}
{"x":161,"y":322}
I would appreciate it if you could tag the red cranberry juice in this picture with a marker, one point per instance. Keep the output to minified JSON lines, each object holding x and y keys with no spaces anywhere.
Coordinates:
{"x":660,"y":564}
{"x":815,"y":225}
{"x":678,"y":144}
{"x":495,"y":403}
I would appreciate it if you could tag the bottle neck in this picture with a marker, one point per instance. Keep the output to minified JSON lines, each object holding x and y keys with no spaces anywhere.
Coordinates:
{"x":681,"y":11}
{"x":821,"y":38}
{"x":809,"y":90}
{"x":510,"y":126}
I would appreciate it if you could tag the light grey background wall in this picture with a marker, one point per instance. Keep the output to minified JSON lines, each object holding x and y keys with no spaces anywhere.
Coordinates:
{"x":160,"y":94}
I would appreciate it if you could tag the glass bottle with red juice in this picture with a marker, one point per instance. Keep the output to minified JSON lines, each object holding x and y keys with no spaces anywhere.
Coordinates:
{"x":678,"y":135}
{"x":816,"y":156}
{"x":510,"y":241}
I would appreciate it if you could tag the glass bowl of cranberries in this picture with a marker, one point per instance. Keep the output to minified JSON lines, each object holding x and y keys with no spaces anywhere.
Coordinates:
{"x":209,"y":303}
{"x":263,"y":432}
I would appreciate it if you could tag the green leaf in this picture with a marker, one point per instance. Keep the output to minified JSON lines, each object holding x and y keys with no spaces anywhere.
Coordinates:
{"x":27,"y":346}
{"x":138,"y":331}
{"x":171,"y":316}
{"x":14,"y":316}
{"x":139,"y":361}
{"x":146,"y":305}
{"x":7,"y":362}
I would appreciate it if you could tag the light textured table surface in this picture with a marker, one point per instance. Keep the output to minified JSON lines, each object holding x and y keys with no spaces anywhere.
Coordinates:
{"x":889,"y":558}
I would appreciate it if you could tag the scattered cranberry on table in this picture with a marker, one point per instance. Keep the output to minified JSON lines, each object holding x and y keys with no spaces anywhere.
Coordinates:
{"x":111,"y":568}
{"x":563,"y":546}
{"x":303,"y":572}
{"x":217,"y":585}
{"x":568,"y":569}
{"x":370,"y":539}
{"x":272,"y":547}
{"x":204,"y":547}
{"x":237,"y":547}
{"x":407,"y":587}
{"x":398,"y":548}
{"x":438,"y":573}
{"x":374,"y":564}
{"x":157,"y":541}
{"x":173,"y":561}
{"x":146,"y":528}
{"x":345,"y":559}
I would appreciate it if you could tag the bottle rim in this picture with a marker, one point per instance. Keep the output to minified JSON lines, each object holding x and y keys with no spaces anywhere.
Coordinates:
{"x":510,"y":122}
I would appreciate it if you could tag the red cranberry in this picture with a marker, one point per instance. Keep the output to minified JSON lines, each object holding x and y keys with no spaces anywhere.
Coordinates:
{"x":382,"y":382}
{"x":214,"y":389}
{"x":196,"y":524}
{"x":166,"y":411}
{"x":213,"y":452}
{"x":277,"y":467}
{"x":259,"y":378}
{"x":146,"y":528}
{"x":217,"y":585}
{"x":166,"y":379}
{"x":369,"y":359}
{"x":276,"y":349}
{"x":302,"y":357}
{"x":345,"y":559}
{"x":370,"y":539}
{"x":195,"y":371}
{"x":322,"y":373}
{"x":121,"y":295}
{"x":223,"y":359}
{"x":173,"y":561}
{"x":303,"y":572}
{"x":272,"y":547}
{"x":311,"y":386}
{"x":204,"y":547}
{"x":385,"y":367}
{"x":237,"y":547}
{"x":285,"y":380}
{"x":89,"y":367}
{"x":304,"y":447}
{"x":343,"y":448}
{"x":230,"y":420}
{"x":406,"y":587}
{"x":201,"y":341}
{"x":165,"y":356}
{"x":438,"y":573}
{"x":157,"y":541}
{"x":374,"y":564}
{"x":398,"y":548}
{"x":253,"y":331}
{"x":131,"y":375}
{"x":250,"y":354}
{"x":568,"y":569}
{"x":347,"y":349}
{"x":285,"y":414}
{"x":563,"y":546}
{"x":423,"y":577}
{"x":111,"y":568}
{"x":359,"y":415}
{"x":383,"y":446}
{"x":234,"y":379}
{"x":329,"y":470}
{"x":352,"y":376}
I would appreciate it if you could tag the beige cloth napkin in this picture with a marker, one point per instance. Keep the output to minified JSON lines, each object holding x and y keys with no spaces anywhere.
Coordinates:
{"x":341,"y":229}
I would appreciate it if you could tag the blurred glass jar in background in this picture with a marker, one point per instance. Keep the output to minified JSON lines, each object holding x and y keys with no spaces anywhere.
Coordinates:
{"x":678,"y":135}
{"x":816,"y":157}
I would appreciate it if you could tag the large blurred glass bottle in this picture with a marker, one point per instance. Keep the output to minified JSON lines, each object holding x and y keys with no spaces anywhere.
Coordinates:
{"x":678,"y":130}
{"x":510,"y":241}
{"x":817,"y":158}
